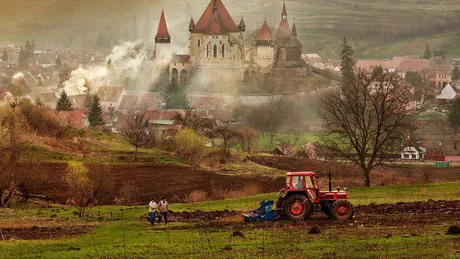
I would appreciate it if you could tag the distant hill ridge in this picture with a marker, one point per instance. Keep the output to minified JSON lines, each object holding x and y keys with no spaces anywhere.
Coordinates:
{"x":377,"y":28}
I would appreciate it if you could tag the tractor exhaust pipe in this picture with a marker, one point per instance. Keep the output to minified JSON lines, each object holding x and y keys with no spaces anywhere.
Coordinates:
{"x":330,"y":182}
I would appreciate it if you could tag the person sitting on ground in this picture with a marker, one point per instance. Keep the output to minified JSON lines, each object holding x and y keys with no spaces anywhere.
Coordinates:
{"x":153,"y":207}
{"x":163,"y":206}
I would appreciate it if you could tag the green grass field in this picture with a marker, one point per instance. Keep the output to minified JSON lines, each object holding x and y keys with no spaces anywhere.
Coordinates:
{"x":128,"y":236}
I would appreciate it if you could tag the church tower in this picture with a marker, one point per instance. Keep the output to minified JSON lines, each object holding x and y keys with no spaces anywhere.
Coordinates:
{"x":265,"y":49}
{"x":284,"y":31}
{"x":163,"y":40}
{"x":294,"y":47}
{"x":217,"y":44}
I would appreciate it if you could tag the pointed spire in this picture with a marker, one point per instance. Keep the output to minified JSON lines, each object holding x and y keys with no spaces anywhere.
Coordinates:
{"x":294,"y":30}
{"x":265,"y":33}
{"x":162,"y":35}
{"x":191,"y":25}
{"x":215,"y":7}
{"x":242,"y":25}
{"x":284,"y":12}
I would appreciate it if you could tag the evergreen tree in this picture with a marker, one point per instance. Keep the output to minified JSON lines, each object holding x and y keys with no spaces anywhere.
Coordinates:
{"x":58,"y":62}
{"x":377,"y":71}
{"x":5,"y":56}
{"x":427,"y":54}
{"x":347,"y":63}
{"x":454,"y":114}
{"x":102,"y":41}
{"x":25,"y":53}
{"x":175,"y":96}
{"x":455,"y":74}
{"x":63,"y":104}
{"x":95,"y":112}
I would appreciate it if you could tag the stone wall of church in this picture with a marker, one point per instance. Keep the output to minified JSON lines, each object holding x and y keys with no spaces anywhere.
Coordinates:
{"x":264,"y":59}
{"x":163,"y":51}
{"x":216,"y":50}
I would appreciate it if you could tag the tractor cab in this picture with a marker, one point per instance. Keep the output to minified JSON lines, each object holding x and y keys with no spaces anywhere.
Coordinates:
{"x":302,"y":182}
{"x":301,"y":196}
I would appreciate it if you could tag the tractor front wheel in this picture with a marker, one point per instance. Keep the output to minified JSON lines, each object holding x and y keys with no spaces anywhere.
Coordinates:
{"x":297,"y":207}
{"x":342,"y":210}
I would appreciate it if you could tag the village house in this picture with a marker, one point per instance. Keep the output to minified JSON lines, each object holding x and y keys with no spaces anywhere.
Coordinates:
{"x":111,"y":96}
{"x":434,"y":132}
{"x":76,"y":118}
{"x":412,"y":153}
{"x":448,"y":94}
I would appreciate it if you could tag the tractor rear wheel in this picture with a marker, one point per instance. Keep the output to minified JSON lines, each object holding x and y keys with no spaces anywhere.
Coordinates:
{"x":342,"y":210}
{"x":297,"y":207}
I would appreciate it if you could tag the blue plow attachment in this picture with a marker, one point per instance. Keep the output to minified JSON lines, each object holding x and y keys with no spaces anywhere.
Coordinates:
{"x":264,"y":213}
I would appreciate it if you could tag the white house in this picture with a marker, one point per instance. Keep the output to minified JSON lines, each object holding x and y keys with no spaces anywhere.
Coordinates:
{"x":448,"y":94}
{"x":410,"y":153}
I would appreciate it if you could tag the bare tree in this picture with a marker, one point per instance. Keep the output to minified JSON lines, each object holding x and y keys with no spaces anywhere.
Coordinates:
{"x":195,"y":121}
{"x":228,"y":135}
{"x":270,"y":116}
{"x":368,"y":121}
{"x":247,"y":137}
{"x":13,"y":144}
{"x":135,"y":129}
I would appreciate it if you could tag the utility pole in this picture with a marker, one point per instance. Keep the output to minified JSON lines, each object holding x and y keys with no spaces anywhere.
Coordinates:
{"x":13,"y":153}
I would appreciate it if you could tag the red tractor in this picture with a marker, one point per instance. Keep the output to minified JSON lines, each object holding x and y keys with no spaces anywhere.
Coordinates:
{"x":301,"y":196}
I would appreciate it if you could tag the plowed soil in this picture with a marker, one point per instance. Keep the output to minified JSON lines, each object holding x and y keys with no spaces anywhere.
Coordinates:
{"x":350,"y":176}
{"x":412,"y":212}
{"x":139,"y":183}
{"x":41,"y":233}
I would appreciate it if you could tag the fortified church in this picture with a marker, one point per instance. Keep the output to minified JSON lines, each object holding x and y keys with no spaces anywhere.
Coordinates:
{"x":220,"y":52}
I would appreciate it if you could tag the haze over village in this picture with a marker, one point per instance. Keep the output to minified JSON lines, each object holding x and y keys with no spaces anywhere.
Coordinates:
{"x":194,"y":114}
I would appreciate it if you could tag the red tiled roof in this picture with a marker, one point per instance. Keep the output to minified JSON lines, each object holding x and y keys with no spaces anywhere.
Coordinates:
{"x":205,"y":20}
{"x":75,"y":117}
{"x":192,"y":23}
{"x":413,"y":65}
{"x":216,"y":27}
{"x":162,"y":27}
{"x":284,"y":31}
{"x":265,"y":34}
{"x":242,"y":24}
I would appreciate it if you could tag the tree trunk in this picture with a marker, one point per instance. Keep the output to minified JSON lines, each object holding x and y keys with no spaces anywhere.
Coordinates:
{"x":367,"y":177}
{"x":249,"y":147}
{"x":135,"y":154}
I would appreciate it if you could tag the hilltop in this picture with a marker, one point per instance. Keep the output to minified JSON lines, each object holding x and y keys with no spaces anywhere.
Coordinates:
{"x":376,"y":28}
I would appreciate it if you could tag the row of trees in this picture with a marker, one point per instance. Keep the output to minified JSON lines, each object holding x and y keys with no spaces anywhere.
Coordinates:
{"x":436,"y":53}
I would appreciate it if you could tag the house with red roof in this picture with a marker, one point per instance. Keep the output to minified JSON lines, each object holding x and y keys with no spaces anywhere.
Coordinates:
{"x":76,"y":118}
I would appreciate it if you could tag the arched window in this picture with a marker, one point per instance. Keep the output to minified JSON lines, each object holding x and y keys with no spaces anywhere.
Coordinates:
{"x":199,"y":43}
{"x":174,"y":74}
{"x":215,"y":51}
{"x":207,"y":51}
{"x":246,"y":76}
{"x":224,"y":50}
{"x":183,"y":76}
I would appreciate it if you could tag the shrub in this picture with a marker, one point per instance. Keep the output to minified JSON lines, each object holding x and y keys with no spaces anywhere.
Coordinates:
{"x":248,"y":190}
{"x":197,"y":196}
{"x":189,"y":145}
